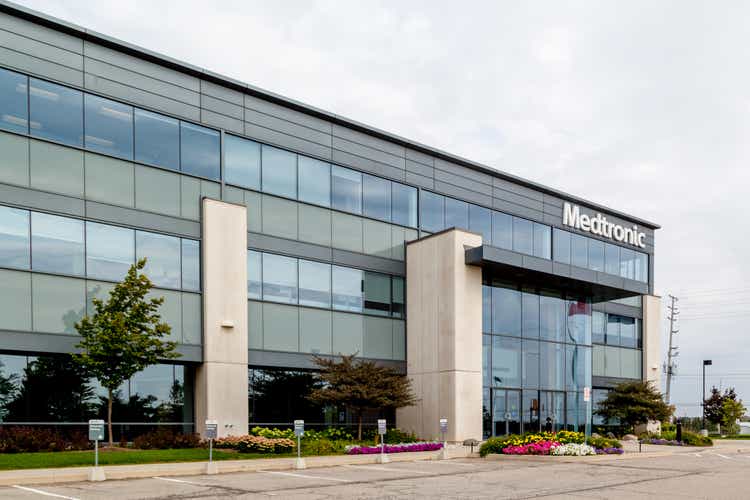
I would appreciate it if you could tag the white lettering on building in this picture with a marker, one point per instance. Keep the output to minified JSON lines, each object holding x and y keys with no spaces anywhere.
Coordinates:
{"x":600,"y":226}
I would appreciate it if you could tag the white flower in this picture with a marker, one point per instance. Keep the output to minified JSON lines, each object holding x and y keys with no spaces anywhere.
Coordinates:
{"x":573,"y":449}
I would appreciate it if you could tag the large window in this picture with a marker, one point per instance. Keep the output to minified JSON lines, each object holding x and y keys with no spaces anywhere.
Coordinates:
{"x":314,"y":181}
{"x":542,"y":241}
{"x":506,"y":312}
{"x":200,"y":151}
{"x":157,"y":139}
{"x":346,"y":187}
{"x":502,"y":230}
{"x":57,"y":244}
{"x":506,"y":362}
{"x":376,"y":194}
{"x":56,"y":112}
{"x":279,"y":172}
{"x":14,"y":104}
{"x":14,"y":238}
{"x":432,"y":212}
{"x":348,"y":289}
{"x":162,"y":255}
{"x":523,"y":236}
{"x":254,"y":273}
{"x":561,"y":246}
{"x":242,"y":162}
{"x":191,"y":265}
{"x":404,"y":205}
{"x":480,"y":221}
{"x":314,"y":284}
{"x":279,"y":279}
{"x":377,"y":288}
{"x":110,"y":251}
{"x":109,"y":127}
{"x":456,"y":213}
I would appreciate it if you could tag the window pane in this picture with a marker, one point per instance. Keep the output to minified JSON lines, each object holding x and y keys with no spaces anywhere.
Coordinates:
{"x":279,"y":172}
{"x":480,"y":221}
{"x":552,"y":318}
{"x":346,"y":187}
{"x":456,"y":213}
{"x":314,"y":181}
{"x":542,"y":241}
{"x":157,"y":139}
{"x":641,"y":267}
{"x":531,"y":364}
{"x":579,"y":251}
{"x":596,"y":255}
{"x":611,"y":259}
{"x":598,"y":327}
{"x":530,"y":311}
{"x":613,"y":329}
{"x":14,"y":104}
{"x":552,"y":358}
{"x":523,"y":236}
{"x":502,"y":230}
{"x":486,"y":361}
{"x":627,"y":332}
{"x":506,"y":362}
{"x":242,"y":162}
{"x":561,"y":246}
{"x":404,"y":205}
{"x":253,"y":275}
{"x":56,"y":112}
{"x":162,"y":255}
{"x":506,"y":312}
{"x":376,"y":197}
{"x":578,"y":322}
{"x":279,"y":278}
{"x":110,"y":251}
{"x":199,"y":151}
{"x":486,"y":309}
{"x":109,"y":127}
{"x":314,"y":284}
{"x":347,"y":289}
{"x":627,"y":263}
{"x":14,"y":238}
{"x":399,"y":298}
{"x":432,"y":212}
{"x":377,"y":294}
{"x":57,"y":244}
{"x":191,"y":265}
{"x":578,"y":367}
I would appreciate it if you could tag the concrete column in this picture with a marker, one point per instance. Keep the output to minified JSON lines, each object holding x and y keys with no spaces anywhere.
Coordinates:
{"x":444,"y":337}
{"x":652,"y":339}
{"x":221,"y":381}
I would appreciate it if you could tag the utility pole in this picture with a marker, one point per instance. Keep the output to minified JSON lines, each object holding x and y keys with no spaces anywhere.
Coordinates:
{"x":672,"y":352}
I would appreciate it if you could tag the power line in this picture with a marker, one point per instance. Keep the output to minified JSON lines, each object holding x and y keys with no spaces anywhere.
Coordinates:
{"x":673,"y":352}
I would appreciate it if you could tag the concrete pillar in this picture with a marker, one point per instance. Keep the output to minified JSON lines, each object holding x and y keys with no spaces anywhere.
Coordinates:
{"x":444,"y":337}
{"x":221,"y":381}
{"x":652,"y":339}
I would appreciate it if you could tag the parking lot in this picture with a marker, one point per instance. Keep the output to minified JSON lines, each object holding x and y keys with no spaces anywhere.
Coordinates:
{"x":715,"y":473}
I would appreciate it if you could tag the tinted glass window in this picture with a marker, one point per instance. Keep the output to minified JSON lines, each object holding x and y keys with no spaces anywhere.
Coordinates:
{"x":641,"y":267}
{"x":377,"y":289}
{"x":578,"y":368}
{"x":542,"y":241}
{"x":110,"y":251}
{"x":502,"y":230}
{"x":613,"y":329}
{"x":242,"y":162}
{"x":279,"y":172}
{"x":314,"y":284}
{"x":279,"y":279}
{"x":578,"y":322}
{"x":14,"y":238}
{"x":530,"y":311}
{"x":530,"y":363}
{"x":552,"y":358}
{"x":157,"y":139}
{"x":561,"y":246}
{"x":506,"y":362}
{"x":57,"y":244}
{"x":346,"y":190}
{"x":376,"y":197}
{"x":552,"y":318}
{"x":200,"y":151}
{"x":162,"y":255}
{"x":347,"y":289}
{"x":253,"y":275}
{"x":109,"y":127}
{"x":14,"y":103}
{"x":399,"y":297}
{"x":191,"y":265}
{"x":486,"y":309}
{"x":56,"y":112}
{"x":480,"y":221}
{"x":627,"y":332}
{"x":598,"y":327}
{"x":596,"y":255}
{"x":611,"y":259}
{"x":579,"y":251}
{"x":314,"y":181}
{"x":523,"y":236}
{"x":627,"y":263}
{"x":404,"y":205}
{"x":432,"y":212}
{"x":456,"y":213}
{"x":506,"y":312}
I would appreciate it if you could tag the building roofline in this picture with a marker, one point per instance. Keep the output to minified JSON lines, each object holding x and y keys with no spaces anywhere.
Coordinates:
{"x":183,"y":67}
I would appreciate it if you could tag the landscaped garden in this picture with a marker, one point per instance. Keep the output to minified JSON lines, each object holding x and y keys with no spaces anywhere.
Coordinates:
{"x":562,"y":443}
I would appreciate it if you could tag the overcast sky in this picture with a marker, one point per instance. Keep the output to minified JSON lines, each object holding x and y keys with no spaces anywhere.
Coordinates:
{"x":642,"y":106}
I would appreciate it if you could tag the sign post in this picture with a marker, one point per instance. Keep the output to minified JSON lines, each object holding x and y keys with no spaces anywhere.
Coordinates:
{"x":587,"y":400}
{"x":383,"y":459}
{"x":96,"y":434}
{"x":299,"y":431}
{"x":444,"y":431}
{"x":211,"y":432}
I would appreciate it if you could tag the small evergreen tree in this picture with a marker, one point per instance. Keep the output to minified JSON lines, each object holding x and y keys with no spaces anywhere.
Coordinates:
{"x":124,"y":335}
{"x":634,"y":403}
{"x":360,"y":385}
{"x":724,"y":409}
{"x":713,"y":405}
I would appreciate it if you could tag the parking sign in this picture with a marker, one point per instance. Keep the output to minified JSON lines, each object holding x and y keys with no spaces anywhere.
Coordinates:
{"x":381,"y":426}
{"x":96,"y":430}
{"x":212,"y":428}
{"x":299,"y":428}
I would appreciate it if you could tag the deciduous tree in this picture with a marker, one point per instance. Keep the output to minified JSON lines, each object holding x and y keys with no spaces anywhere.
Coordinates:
{"x":634,"y":403}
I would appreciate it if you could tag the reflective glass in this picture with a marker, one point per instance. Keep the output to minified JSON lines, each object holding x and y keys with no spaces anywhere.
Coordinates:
{"x":398,"y":302}
{"x":157,"y":139}
{"x":279,"y":278}
{"x":502,"y":230}
{"x":613,"y":329}
{"x":404,"y":205}
{"x":552,"y":359}
{"x":376,"y":197}
{"x":346,"y":190}
{"x":162,"y":255}
{"x":14,"y":238}
{"x":627,"y":332}
{"x":578,"y":322}
{"x":191,"y":265}
{"x":531,"y":364}
{"x":627,"y":263}
{"x":506,"y":362}
{"x":542,"y":241}
{"x":347,"y":288}
{"x":377,"y":288}
{"x":279,"y":171}
{"x":480,"y":221}
{"x":242,"y":162}
{"x":486,"y":360}
{"x":456,"y":213}
{"x":200,"y":151}
{"x":596,"y":255}
{"x":57,"y":244}
{"x":314,"y":284}
{"x":579,"y":250}
{"x":486,"y":309}
{"x":432,"y":211}
{"x":110,"y":251}
{"x":506,"y":312}
{"x":14,"y":103}
{"x":598,"y":327}
{"x":523,"y":236}
{"x":611,"y":259}
{"x":641,"y":267}
{"x":530,"y":312}
{"x":254,"y":275}
{"x":56,"y":112}
{"x":552,"y":318}
{"x":561,"y":246}
{"x":314,"y":181}
{"x":109,"y":127}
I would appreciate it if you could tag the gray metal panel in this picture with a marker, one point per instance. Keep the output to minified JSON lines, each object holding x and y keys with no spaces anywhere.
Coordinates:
{"x":419,"y":180}
{"x":513,"y":209}
{"x":537,"y":264}
{"x":463,"y":171}
{"x":288,"y":114}
{"x":561,"y":269}
{"x":514,"y":187}
{"x":420,"y":168}
{"x":222,"y":107}
{"x":504,"y":256}
{"x":368,"y":152}
{"x":299,"y":360}
{"x":524,"y":201}
{"x":607,"y":279}
{"x":586,"y":275}
{"x":368,"y":262}
{"x":30,"y":198}
{"x":145,"y":220}
{"x":419,"y":157}
{"x":369,"y":141}
{"x":635,"y":286}
{"x":40,"y":67}
{"x":41,"y":50}
{"x":222,"y":121}
{"x":368,"y":165}
{"x":289,"y":247}
{"x":463,"y":182}
{"x":223,"y":93}
{"x":287,"y":127}
{"x":275,"y":138}
{"x":465,"y":194}
{"x":141,"y":97}
{"x":620,"y":309}
{"x":40,"y":33}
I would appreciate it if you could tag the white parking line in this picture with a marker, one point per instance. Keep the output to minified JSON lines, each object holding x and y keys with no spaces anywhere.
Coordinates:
{"x":447,"y":462}
{"x":698,"y":455}
{"x":723,"y":456}
{"x":180,"y":481}
{"x":45,"y":493}
{"x":304,"y":476}
{"x":387,"y":469}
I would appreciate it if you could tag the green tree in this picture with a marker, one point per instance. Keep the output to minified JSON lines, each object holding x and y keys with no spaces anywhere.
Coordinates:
{"x":713,"y":403}
{"x":360,"y":385}
{"x":634,"y":403}
{"x":731,"y":411}
{"x":124,"y":335}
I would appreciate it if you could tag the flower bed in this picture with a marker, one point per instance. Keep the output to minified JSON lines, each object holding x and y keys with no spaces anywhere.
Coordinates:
{"x":393,"y":448}
{"x":609,"y":451}
{"x":664,"y":442}
{"x":572,"y":450}
{"x":538,"y":448}
{"x":256,"y":444}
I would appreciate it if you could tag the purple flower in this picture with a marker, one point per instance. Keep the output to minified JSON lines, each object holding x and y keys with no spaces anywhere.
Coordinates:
{"x":394,"y":448}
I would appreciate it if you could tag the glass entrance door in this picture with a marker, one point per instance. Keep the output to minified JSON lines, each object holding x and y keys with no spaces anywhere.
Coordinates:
{"x":506,"y":414}
{"x":551,"y":410}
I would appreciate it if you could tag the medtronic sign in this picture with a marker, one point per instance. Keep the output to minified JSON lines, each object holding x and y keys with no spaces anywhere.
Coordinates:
{"x":600,"y":226}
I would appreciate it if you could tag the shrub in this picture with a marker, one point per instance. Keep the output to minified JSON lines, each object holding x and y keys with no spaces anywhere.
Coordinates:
{"x":393,"y":448}
{"x":272,"y":433}
{"x":33,"y":439}
{"x":395,"y":435}
{"x":323,"y":446}
{"x":162,"y":439}
{"x":601,"y":443}
{"x":256,"y":444}
{"x":689,"y":438}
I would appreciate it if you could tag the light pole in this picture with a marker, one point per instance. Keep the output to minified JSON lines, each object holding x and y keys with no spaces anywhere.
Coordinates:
{"x":706,"y":362}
